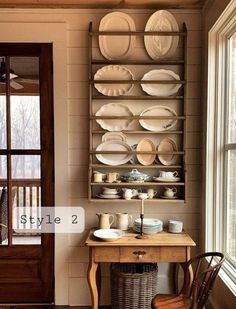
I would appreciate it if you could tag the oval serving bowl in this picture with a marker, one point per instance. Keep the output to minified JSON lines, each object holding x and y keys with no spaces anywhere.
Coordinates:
{"x":146,"y":145}
{"x":161,"y":46}
{"x":161,"y":89}
{"x":114,"y":109}
{"x":109,"y":234}
{"x":158,"y":124}
{"x":167,"y":145}
{"x":113,"y":72}
{"x":109,"y":46}
{"x":113,"y":158}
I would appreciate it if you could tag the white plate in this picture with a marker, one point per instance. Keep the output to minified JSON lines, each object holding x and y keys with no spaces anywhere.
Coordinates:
{"x":146,"y":145}
{"x":109,"y":196}
{"x":167,"y":145}
{"x":149,"y":222}
{"x":111,"y":158}
{"x":113,"y":72}
{"x":110,"y":46}
{"x":114,"y":109}
{"x":109,"y":234}
{"x":161,"y":89}
{"x":168,"y":198}
{"x":164,"y":179}
{"x":161,"y":46}
{"x":158,"y":124}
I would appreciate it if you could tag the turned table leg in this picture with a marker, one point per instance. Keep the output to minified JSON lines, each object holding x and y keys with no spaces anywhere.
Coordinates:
{"x":92,"y":279}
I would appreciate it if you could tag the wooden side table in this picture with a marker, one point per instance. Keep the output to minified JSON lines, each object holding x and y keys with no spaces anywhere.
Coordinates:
{"x":160,"y":247}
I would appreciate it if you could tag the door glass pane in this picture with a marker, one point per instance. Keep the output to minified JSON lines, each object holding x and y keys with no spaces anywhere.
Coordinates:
{"x":26,"y":178}
{"x":232,"y":90}
{"x":25,"y":103}
{"x":231,"y":206}
{"x":3,"y":201}
{"x":3,"y":142}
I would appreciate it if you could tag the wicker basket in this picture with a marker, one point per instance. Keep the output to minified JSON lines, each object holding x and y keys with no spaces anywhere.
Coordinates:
{"x":133,"y":285}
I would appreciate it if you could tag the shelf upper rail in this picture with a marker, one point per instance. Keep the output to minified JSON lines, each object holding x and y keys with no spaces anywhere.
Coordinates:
{"x":137,"y":152}
{"x":139,"y":117}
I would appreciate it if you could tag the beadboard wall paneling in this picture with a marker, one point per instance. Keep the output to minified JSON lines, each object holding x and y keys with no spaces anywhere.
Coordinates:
{"x":77,"y":22}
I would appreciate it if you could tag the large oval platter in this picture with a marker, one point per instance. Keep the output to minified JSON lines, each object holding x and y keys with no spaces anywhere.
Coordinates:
{"x":158,"y":125}
{"x":114,"y":109}
{"x":113,"y":72}
{"x":146,"y":145}
{"x":114,"y":159}
{"x":161,"y":89}
{"x":110,"y":47}
{"x":161,"y":46}
{"x":167,"y":145}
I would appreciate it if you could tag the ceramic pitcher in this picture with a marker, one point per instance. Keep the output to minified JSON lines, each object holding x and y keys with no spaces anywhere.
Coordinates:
{"x":105,"y":220}
{"x":123,"y":220}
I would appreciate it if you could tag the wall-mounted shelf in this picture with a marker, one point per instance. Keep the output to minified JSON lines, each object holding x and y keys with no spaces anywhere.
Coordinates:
{"x":178,"y":133}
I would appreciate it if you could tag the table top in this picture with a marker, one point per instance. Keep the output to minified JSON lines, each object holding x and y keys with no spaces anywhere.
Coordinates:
{"x":163,"y":238}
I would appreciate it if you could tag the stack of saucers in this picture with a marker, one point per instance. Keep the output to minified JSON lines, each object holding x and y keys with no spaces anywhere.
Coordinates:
{"x":109,"y":193}
{"x":150,"y":225}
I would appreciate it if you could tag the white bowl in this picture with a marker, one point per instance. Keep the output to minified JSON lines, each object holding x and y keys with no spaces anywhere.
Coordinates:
{"x":109,"y":234}
{"x":175,"y":226}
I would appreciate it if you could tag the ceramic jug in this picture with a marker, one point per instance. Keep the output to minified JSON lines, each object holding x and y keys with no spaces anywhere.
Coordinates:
{"x":123,"y":220}
{"x":105,"y":220}
{"x":170,"y":192}
{"x":128,"y":193}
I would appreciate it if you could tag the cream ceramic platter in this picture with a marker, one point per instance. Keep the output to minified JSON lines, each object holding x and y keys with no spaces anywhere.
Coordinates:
{"x":146,"y":145}
{"x":161,"y":89}
{"x":161,"y":46}
{"x":111,"y":47}
{"x":167,"y":145}
{"x":113,"y":72}
{"x":158,"y":124}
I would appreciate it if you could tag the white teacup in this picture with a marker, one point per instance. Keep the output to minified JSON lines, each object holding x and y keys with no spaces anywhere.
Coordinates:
{"x":143,"y":196}
{"x":168,"y":174}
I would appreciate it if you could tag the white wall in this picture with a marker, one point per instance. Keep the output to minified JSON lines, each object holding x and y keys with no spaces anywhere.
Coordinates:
{"x":71,"y":255}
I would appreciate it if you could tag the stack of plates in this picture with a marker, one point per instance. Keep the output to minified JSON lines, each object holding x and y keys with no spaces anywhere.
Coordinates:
{"x":150,"y":225}
{"x":109,"y":193}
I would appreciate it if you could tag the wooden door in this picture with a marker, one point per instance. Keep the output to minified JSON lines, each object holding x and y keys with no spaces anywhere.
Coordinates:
{"x":26,"y":170}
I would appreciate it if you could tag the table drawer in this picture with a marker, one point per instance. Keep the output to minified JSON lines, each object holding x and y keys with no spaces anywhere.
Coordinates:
{"x":153,"y":254}
{"x":104,"y":254}
{"x":139,"y":254}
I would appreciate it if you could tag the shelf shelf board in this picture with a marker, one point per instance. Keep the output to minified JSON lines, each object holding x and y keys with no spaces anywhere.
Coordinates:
{"x":137,"y":152}
{"x":154,"y":200}
{"x":97,"y":165}
{"x":139,"y":62}
{"x":138,"y":117}
{"x":139,"y":132}
{"x":135,"y":184}
{"x":140,"y":97}
{"x":134,"y":81}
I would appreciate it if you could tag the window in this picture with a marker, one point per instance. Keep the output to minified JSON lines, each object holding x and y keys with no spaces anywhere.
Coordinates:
{"x":221,"y":143}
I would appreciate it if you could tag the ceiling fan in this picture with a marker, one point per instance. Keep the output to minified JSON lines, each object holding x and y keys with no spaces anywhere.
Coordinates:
{"x":15,"y":80}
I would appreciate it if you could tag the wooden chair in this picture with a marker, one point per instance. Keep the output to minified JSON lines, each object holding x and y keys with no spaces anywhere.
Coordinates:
{"x":199,"y":277}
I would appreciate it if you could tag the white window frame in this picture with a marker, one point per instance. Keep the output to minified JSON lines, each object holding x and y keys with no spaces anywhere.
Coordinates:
{"x":215,"y":197}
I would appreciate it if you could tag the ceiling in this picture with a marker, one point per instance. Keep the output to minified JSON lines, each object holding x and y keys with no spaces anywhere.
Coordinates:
{"x":109,"y":4}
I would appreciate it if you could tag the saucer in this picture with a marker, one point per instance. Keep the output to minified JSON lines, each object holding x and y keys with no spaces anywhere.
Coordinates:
{"x":109,"y":196}
{"x":169,"y":198}
{"x":164,"y":179}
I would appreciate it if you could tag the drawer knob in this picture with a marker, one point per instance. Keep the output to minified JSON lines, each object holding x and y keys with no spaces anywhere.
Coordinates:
{"x":139,"y":254}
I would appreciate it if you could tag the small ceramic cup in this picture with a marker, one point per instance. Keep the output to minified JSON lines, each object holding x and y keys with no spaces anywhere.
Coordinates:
{"x":143,"y":196}
{"x":151,"y":193}
{"x":165,"y":174}
{"x":175,"y":226}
